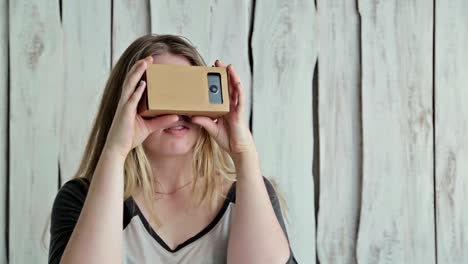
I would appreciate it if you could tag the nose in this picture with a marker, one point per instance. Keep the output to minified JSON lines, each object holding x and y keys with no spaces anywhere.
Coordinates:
{"x":184,"y":118}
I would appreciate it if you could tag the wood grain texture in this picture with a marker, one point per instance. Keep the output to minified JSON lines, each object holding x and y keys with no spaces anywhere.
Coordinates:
{"x":284,"y":47}
{"x":130,"y":20}
{"x":376,"y":202}
{"x":3,"y":126}
{"x":190,"y":19}
{"x":87,"y":48}
{"x":36,"y":84}
{"x":229,"y":40}
{"x":451,"y":120}
{"x":397,"y":212}
{"x":218,"y":29}
{"x":339,"y":131}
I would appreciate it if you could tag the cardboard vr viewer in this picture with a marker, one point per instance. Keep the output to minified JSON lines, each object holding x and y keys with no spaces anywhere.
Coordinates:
{"x":184,"y":90}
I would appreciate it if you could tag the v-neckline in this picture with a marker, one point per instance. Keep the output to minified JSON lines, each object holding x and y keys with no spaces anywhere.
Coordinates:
{"x":192,"y":239}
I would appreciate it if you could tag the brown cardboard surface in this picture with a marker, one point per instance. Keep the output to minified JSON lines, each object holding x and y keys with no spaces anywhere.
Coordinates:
{"x":183,"y":90}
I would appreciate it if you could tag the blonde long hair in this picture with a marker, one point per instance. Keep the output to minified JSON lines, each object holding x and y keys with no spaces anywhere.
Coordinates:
{"x":211,"y":164}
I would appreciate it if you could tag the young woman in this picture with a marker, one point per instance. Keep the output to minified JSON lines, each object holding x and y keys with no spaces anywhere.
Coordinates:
{"x":187,"y":190}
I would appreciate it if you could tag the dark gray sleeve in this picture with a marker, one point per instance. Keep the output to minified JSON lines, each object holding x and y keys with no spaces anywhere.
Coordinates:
{"x":276,"y":207}
{"x":65,"y":212}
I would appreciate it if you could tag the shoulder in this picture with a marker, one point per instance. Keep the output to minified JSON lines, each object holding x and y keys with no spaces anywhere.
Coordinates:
{"x":65,"y":212}
{"x":269,"y":185}
{"x":71,"y":194}
{"x":74,"y":187}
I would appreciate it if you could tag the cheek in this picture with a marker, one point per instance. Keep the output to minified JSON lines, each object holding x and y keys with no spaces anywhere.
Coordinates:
{"x":194,"y":134}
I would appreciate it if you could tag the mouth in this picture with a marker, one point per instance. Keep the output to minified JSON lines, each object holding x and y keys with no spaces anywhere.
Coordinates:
{"x":179,"y":130}
{"x":179,"y":127}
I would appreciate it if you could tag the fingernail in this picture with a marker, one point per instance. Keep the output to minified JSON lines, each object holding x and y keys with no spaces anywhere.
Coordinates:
{"x":149,"y":58}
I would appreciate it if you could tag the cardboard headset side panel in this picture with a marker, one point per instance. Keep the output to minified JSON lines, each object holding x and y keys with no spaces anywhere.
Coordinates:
{"x":183,"y":90}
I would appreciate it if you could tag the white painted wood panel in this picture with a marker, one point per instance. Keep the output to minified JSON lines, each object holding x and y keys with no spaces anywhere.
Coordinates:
{"x":36,"y":79}
{"x":451,"y":120}
{"x":130,"y":20}
{"x":397,"y":212}
{"x":229,"y":40}
{"x":284,"y":47}
{"x":87,"y":48}
{"x":52,"y":85}
{"x":190,"y":19}
{"x":339,"y":131}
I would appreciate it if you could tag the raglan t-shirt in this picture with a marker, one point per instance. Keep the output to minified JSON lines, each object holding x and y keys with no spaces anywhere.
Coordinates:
{"x":141,"y":244}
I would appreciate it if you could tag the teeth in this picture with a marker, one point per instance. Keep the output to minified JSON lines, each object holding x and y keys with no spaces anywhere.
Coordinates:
{"x":177,"y":127}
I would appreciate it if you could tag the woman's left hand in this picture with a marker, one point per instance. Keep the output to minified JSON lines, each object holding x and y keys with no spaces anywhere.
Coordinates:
{"x":230,"y":131}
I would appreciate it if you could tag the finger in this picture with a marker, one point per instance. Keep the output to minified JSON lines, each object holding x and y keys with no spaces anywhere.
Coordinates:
{"x":238,"y":90}
{"x":136,"y":96}
{"x":134,"y":75}
{"x":160,"y":122}
{"x":128,"y":86}
{"x":235,"y":98}
{"x":140,"y":67}
{"x":218,"y":63}
{"x":206,"y":122}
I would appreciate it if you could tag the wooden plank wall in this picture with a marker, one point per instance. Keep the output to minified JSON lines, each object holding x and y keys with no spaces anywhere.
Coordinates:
{"x":339,"y":127}
{"x":284,"y":48}
{"x":86,"y":42}
{"x":451,"y":130}
{"x":397,"y":209}
{"x":358,"y":109}
{"x":35,"y":105}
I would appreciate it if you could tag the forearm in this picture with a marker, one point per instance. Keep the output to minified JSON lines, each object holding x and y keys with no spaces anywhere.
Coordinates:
{"x":256,"y":235}
{"x":97,"y":236}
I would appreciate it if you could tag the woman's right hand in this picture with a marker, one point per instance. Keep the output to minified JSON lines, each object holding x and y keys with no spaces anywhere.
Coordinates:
{"x":128,"y":128}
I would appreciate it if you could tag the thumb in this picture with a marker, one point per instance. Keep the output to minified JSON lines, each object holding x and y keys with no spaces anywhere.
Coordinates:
{"x":207,"y":123}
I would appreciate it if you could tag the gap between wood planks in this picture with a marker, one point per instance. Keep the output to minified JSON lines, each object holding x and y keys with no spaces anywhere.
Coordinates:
{"x":434,"y":181}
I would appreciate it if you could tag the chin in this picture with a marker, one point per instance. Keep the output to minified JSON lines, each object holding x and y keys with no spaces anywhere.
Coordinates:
{"x":172,"y":151}
{"x":161,"y":143}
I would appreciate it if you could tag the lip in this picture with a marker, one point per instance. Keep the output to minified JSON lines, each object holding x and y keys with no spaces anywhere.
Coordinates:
{"x":178,"y":124}
{"x":177,"y":133}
